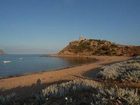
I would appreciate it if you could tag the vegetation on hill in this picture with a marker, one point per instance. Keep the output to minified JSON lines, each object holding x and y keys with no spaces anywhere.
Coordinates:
{"x":89,"y":47}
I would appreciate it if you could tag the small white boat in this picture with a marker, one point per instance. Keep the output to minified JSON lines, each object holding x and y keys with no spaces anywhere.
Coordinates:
{"x":6,"y":62}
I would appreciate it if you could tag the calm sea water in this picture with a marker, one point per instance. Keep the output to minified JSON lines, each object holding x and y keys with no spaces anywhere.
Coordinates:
{"x":11,"y":65}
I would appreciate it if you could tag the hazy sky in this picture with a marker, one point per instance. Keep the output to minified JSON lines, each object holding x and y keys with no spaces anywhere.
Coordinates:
{"x":44,"y":26}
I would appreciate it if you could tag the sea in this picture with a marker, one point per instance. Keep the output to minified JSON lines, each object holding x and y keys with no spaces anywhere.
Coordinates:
{"x":17,"y":64}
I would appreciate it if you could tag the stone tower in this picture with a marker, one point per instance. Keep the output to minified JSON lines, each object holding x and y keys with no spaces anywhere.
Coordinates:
{"x":81,"y":38}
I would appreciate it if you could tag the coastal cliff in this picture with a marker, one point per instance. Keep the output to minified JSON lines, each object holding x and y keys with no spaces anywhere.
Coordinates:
{"x":89,"y":47}
{"x":1,"y":52}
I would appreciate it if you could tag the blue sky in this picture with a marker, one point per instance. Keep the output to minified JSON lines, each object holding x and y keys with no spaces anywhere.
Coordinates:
{"x":44,"y":26}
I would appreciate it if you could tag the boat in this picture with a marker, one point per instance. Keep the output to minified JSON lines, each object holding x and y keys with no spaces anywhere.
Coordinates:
{"x":20,"y":58}
{"x":6,"y":62}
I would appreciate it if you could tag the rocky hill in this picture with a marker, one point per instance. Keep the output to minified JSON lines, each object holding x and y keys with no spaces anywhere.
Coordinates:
{"x":89,"y":47}
{"x":1,"y":52}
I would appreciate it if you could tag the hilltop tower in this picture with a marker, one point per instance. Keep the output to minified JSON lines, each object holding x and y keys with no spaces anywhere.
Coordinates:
{"x":82,"y":38}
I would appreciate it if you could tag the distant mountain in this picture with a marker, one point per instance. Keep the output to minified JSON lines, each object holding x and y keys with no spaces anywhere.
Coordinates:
{"x":89,"y":47}
{"x":1,"y":52}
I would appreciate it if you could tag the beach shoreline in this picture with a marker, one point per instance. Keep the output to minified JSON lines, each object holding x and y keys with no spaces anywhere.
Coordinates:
{"x":64,"y":74}
{"x":93,"y":60}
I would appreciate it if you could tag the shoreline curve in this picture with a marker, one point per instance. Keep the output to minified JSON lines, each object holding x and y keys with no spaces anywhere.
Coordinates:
{"x":58,"y":75}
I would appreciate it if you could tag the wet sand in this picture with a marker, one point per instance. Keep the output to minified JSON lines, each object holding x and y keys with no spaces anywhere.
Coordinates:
{"x":60,"y":75}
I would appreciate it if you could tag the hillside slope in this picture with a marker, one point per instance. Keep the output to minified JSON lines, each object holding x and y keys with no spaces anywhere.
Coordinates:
{"x":1,"y":52}
{"x":90,"y":47}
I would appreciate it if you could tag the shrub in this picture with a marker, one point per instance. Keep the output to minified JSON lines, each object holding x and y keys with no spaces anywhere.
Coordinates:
{"x":98,"y":94}
{"x":127,"y":70}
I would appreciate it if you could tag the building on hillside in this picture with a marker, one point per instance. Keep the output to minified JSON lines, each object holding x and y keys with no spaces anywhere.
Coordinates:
{"x":82,"y":38}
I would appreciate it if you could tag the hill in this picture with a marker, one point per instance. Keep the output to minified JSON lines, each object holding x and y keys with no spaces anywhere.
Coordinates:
{"x":1,"y":52}
{"x":89,"y":47}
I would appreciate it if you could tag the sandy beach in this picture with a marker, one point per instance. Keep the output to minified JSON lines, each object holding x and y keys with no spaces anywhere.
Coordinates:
{"x":60,"y":75}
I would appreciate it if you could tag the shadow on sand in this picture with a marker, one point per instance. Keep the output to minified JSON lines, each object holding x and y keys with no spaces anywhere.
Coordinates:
{"x":28,"y":91}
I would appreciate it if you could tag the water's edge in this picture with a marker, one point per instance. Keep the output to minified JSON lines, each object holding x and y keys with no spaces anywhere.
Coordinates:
{"x":50,"y":70}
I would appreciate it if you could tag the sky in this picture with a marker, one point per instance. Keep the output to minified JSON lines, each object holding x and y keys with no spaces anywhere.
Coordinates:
{"x":46,"y":26}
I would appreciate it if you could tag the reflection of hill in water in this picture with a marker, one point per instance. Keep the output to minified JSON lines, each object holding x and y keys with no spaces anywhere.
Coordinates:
{"x":79,"y":60}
